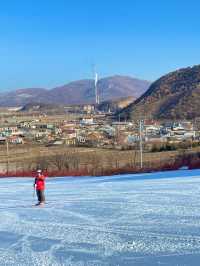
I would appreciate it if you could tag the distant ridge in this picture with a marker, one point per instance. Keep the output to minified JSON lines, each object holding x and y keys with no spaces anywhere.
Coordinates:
{"x":173,"y":96}
{"x":78,"y":92}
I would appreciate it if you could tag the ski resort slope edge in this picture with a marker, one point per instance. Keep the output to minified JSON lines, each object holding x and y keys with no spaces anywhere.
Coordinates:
{"x":147,"y":219}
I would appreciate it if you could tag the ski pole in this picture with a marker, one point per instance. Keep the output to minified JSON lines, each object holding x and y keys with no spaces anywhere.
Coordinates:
{"x":34,"y":193}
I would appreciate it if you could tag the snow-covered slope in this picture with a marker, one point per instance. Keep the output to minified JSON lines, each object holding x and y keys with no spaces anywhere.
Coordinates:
{"x":150,"y":219}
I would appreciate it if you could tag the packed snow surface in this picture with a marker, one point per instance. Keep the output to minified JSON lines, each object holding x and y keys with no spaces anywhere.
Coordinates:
{"x":147,"y":219}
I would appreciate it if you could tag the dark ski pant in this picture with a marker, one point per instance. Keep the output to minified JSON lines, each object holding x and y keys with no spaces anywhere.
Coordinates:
{"x":40,"y":195}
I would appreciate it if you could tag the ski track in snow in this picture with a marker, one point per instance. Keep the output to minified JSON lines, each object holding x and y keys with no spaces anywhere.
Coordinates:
{"x":147,"y":219}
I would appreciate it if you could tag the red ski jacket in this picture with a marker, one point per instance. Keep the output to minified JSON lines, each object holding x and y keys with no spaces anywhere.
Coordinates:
{"x":40,"y":182}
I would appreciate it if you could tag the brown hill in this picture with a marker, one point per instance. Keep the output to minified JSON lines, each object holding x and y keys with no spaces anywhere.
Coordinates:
{"x":82,"y":91}
{"x":116,"y":105}
{"x":174,"y":96}
{"x":20,"y":97}
{"x":78,"y":92}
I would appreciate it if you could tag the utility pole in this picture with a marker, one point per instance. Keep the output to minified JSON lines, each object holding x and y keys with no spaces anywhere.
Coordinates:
{"x":141,"y":146}
{"x":7,"y":153}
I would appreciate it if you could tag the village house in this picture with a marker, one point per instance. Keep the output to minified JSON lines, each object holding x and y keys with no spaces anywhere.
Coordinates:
{"x":3,"y":140}
{"x":81,"y":139}
{"x":16,"y":140}
{"x":88,"y":108}
{"x":87,"y":120}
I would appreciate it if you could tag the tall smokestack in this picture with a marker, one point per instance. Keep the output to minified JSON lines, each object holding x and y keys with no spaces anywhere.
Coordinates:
{"x":96,"y":88}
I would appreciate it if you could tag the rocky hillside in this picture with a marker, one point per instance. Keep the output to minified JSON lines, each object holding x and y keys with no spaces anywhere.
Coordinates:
{"x":78,"y":92}
{"x":174,"y":96}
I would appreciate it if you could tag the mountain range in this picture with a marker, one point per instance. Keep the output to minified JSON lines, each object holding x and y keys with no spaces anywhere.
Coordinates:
{"x":77,"y":92}
{"x":173,"y":96}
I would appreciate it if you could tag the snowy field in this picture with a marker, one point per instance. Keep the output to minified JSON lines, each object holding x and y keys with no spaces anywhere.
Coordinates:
{"x":149,"y":219}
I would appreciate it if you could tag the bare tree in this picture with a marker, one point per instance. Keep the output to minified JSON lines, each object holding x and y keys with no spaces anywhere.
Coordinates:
{"x":42,"y":162}
{"x":58,"y":160}
{"x":74,"y":160}
{"x":95,"y":162}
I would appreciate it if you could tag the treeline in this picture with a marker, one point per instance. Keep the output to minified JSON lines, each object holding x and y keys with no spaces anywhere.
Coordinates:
{"x":71,"y":164}
{"x":171,"y":146}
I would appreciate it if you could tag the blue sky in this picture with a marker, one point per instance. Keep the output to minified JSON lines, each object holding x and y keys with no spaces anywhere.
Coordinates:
{"x":45,"y":43}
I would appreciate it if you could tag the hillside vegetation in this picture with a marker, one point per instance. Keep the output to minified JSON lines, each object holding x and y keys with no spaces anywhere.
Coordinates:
{"x":173,"y":96}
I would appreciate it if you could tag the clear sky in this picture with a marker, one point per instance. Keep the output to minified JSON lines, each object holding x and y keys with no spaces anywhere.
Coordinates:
{"x":45,"y":43}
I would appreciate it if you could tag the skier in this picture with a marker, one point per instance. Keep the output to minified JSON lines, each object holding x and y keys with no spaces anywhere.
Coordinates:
{"x":39,"y":186}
